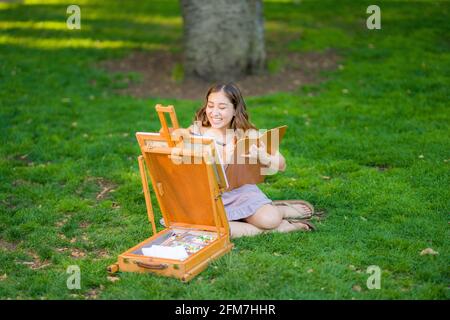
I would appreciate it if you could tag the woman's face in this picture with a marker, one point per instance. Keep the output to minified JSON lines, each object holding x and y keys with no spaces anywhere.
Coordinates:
{"x":219,"y":110}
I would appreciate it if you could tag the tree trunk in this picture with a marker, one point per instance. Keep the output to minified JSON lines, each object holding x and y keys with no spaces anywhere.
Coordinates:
{"x":223,"y":39}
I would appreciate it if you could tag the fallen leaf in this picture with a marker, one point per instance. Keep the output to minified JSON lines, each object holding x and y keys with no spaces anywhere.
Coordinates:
{"x":115,"y":205}
{"x":113,"y":279}
{"x":92,"y":294}
{"x":428,"y":251}
{"x":356,"y":288}
{"x":3,"y":277}
{"x":77,"y":253}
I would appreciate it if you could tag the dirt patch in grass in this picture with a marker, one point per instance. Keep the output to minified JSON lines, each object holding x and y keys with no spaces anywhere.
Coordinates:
{"x":84,"y":225}
{"x":93,"y":293}
{"x":99,"y":186}
{"x":101,"y":254}
{"x":10,"y":202}
{"x":36,"y":262}
{"x":380,"y":167}
{"x":22,"y":158}
{"x":8,"y":246}
{"x":160,"y":74}
{"x":62,"y":222}
{"x":105,"y":185}
{"x":77,"y":253}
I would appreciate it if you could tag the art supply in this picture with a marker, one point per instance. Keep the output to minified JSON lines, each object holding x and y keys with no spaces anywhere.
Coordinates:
{"x":192,"y":241}
{"x":157,"y":251}
{"x":180,"y":244}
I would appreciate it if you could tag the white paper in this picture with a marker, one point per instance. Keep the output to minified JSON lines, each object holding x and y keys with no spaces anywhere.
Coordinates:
{"x":177,"y":253}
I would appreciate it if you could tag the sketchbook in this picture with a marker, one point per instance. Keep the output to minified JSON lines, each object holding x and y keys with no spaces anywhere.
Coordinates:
{"x":242,"y":171}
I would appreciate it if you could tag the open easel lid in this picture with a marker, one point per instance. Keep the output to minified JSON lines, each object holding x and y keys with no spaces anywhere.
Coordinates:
{"x":186,"y":192}
{"x":186,"y":184}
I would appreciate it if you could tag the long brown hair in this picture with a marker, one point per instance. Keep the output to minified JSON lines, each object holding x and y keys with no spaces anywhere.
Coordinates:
{"x":240,"y":119}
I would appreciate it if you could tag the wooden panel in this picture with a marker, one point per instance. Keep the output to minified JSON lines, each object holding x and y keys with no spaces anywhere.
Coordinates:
{"x":183,"y":190}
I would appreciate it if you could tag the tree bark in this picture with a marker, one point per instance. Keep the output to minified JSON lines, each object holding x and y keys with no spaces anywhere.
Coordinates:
{"x":223,"y":39}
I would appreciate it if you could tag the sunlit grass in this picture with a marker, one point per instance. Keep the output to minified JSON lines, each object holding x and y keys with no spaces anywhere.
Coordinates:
{"x":368,"y":145}
{"x":277,"y":26}
{"x":94,"y":14}
{"x":56,"y":2}
{"x":82,"y":43}
{"x":40,"y":25}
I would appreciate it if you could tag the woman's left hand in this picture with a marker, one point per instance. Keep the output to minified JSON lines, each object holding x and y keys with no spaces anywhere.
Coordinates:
{"x":259,"y":153}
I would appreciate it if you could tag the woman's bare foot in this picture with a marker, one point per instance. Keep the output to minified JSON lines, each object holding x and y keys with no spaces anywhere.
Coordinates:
{"x":286,"y":226}
{"x":294,"y":210}
{"x":243,"y":229}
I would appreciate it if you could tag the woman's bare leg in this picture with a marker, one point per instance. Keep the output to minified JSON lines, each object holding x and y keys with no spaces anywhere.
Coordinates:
{"x":241,"y":229}
{"x":267,"y":217}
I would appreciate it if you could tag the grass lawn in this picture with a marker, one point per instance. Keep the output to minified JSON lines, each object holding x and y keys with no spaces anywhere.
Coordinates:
{"x":371,"y":146}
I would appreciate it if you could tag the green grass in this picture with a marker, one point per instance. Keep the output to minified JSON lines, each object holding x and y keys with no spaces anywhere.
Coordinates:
{"x":378,"y":127}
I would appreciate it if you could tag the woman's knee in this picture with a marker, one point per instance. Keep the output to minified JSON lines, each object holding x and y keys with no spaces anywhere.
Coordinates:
{"x":266,"y":217}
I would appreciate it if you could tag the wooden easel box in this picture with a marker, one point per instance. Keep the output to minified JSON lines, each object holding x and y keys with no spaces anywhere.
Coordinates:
{"x":189,"y":196}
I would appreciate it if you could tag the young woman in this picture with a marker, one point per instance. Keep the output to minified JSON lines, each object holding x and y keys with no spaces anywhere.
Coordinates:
{"x":248,"y":209}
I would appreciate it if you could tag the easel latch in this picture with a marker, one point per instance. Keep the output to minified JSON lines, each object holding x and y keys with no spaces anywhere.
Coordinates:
{"x":160,"y":188}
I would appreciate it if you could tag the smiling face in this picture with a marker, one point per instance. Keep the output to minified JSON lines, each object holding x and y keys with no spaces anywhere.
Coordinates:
{"x":219,"y":110}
